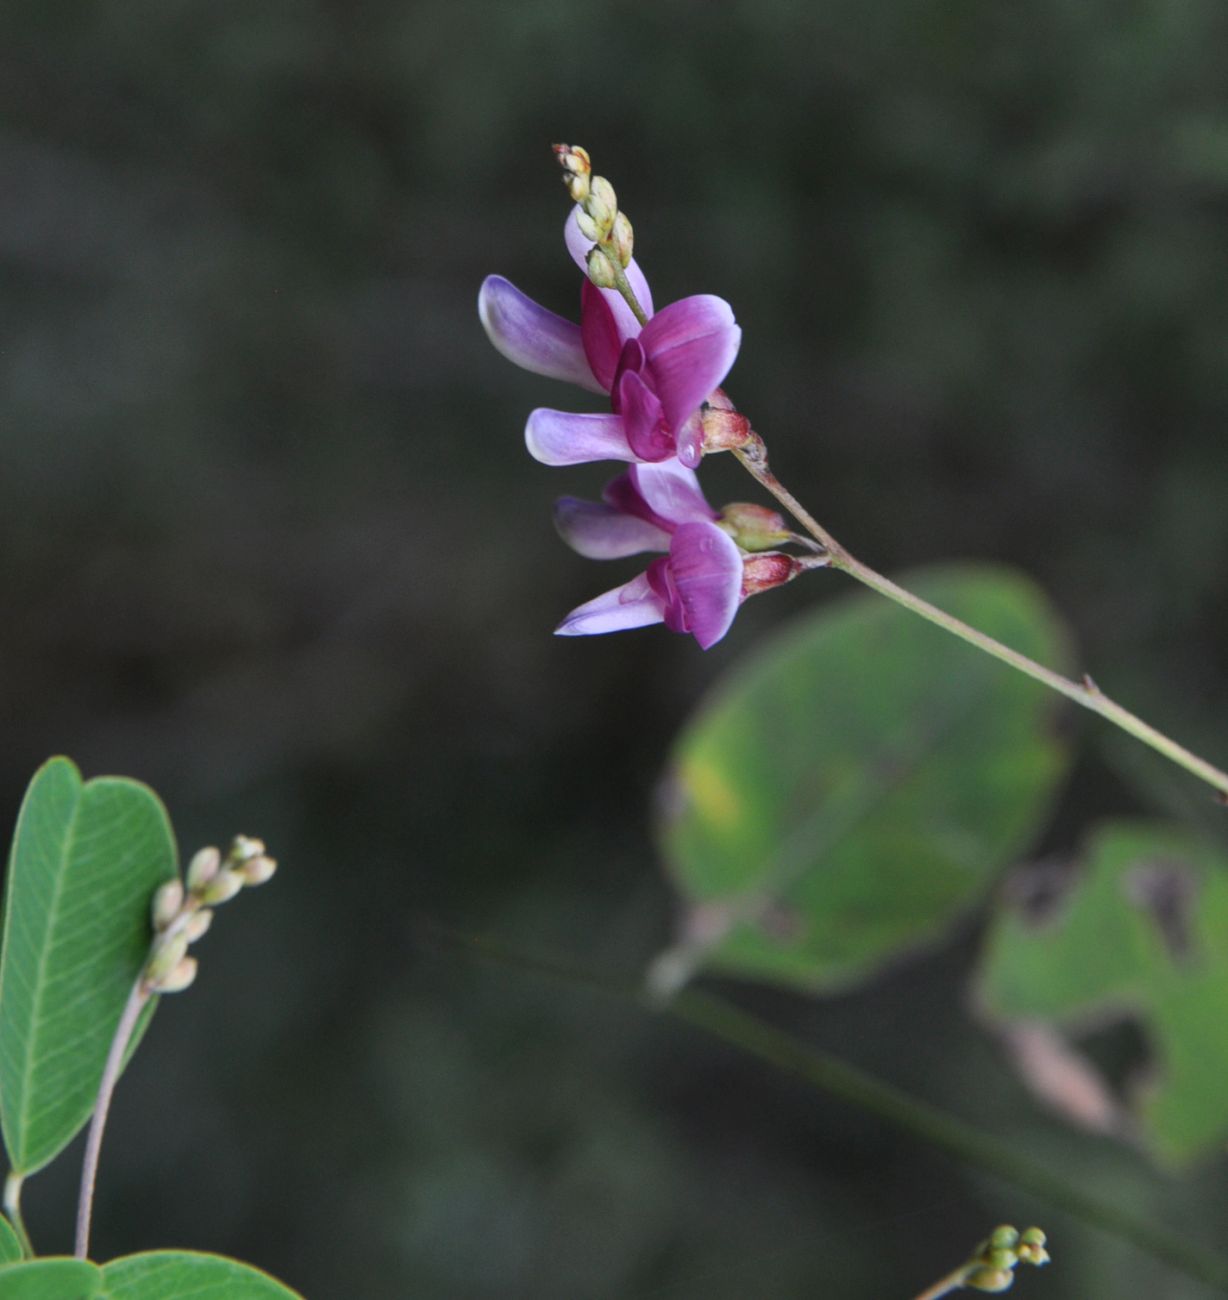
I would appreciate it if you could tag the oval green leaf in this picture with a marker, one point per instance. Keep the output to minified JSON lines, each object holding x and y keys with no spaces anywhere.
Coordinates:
{"x":167,"y":1274}
{"x":10,"y":1247}
{"x":85,"y":862}
{"x":847,"y":793}
{"x":52,"y":1279}
{"x":1141,"y":933}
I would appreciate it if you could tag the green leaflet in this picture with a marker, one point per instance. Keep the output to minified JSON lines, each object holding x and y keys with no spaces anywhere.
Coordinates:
{"x":85,"y":861}
{"x":847,"y":793}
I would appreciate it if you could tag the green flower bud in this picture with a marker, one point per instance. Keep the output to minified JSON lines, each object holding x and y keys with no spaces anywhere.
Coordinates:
{"x":222,"y":888}
{"x":577,"y":187}
{"x":203,"y":867}
{"x":602,"y":205}
{"x":198,"y":924}
{"x":1004,"y":1237}
{"x":167,"y":901}
{"x":180,"y":978}
{"x":1033,"y":1237}
{"x":588,"y":227}
{"x":1000,"y":1259}
{"x":166,"y":956}
{"x":573,"y":159}
{"x":622,"y":238}
{"x":256,"y":871}
{"x":600,"y":269}
{"x":754,"y":527}
{"x":990,"y":1279}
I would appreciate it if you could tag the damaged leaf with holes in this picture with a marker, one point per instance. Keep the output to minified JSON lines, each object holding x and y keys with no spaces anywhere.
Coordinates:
{"x":1139,"y":933}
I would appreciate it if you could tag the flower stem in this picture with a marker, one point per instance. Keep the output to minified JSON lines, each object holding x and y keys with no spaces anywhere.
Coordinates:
{"x":1085,"y":693}
{"x":12,"y":1207}
{"x":837,"y":1078}
{"x":137,"y":999}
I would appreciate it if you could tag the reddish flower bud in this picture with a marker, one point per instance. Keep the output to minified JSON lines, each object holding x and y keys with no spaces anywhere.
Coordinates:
{"x":771,"y":569}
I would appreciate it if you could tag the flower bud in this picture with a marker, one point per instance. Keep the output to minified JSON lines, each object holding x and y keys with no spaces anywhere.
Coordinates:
{"x":198,"y":924}
{"x":622,"y":238}
{"x":204,"y":866}
{"x":167,"y":901}
{"x":754,"y":527}
{"x":180,"y":978}
{"x":723,"y":430}
{"x":1033,"y":1237}
{"x":600,"y":269}
{"x":990,"y":1279}
{"x":166,"y":956}
{"x":588,"y":227}
{"x":1004,"y":1237}
{"x":1000,"y":1259}
{"x":243,"y":847}
{"x":222,"y":888}
{"x":771,"y":569}
{"x":601,"y":205}
{"x":573,"y":159}
{"x":258,"y":870}
{"x":577,"y":187}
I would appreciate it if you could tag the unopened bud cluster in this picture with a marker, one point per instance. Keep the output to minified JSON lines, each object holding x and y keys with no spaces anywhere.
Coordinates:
{"x":992,"y":1267}
{"x":181,"y":915}
{"x":599,"y":217}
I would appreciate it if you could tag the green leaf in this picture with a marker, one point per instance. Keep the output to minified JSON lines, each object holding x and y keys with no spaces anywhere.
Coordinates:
{"x":10,"y":1247}
{"x":1142,"y":933}
{"x":52,"y":1279}
{"x":848,"y":792}
{"x":168,"y":1274}
{"x":86,"y":860}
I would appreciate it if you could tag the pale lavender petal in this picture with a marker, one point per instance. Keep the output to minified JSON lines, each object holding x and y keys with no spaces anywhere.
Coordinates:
{"x":690,"y":346}
{"x":565,"y":438}
{"x":532,"y":337}
{"x":600,"y":532}
{"x":634,"y":604}
{"x":671,"y":491}
{"x":706,"y":566}
{"x":578,"y":245}
{"x":641,"y":414}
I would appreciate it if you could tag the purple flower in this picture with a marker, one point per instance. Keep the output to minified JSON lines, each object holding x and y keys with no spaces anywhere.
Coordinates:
{"x":657,"y":377}
{"x":696,"y":587}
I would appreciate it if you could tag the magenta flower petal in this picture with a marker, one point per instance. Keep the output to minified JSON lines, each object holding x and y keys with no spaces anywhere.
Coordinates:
{"x":706,"y":567}
{"x":671,"y":491}
{"x":689,"y":347}
{"x":634,"y":604}
{"x":602,"y":532}
{"x":532,"y":337}
{"x":599,"y":335}
{"x":578,"y":245}
{"x":565,"y":438}
{"x":641,"y":414}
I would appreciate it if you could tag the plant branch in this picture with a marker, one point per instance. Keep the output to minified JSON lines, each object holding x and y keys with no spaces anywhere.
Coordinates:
{"x":953,"y":1281}
{"x":829,"y":1074}
{"x":137,"y":999}
{"x":1085,"y":693}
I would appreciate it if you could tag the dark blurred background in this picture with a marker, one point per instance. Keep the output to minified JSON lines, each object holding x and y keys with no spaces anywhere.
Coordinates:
{"x":269,"y":540}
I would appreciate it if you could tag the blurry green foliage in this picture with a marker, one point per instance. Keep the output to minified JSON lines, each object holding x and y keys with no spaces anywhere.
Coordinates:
{"x":848,"y":792}
{"x":1140,"y":932}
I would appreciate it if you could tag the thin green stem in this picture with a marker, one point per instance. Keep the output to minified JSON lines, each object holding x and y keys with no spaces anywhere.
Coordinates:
{"x":12,"y":1208}
{"x":828,"y":1074}
{"x":137,"y":999}
{"x":1085,"y":693}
